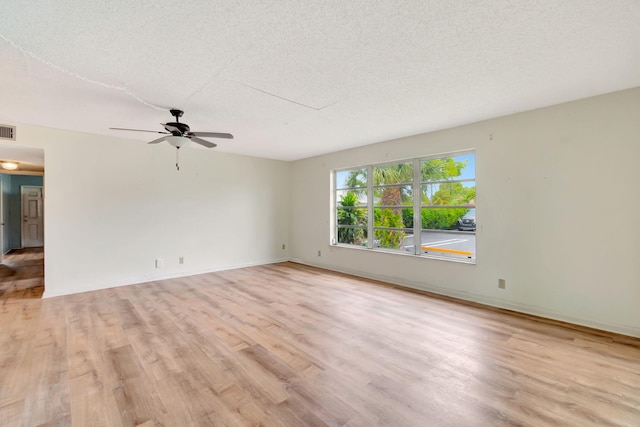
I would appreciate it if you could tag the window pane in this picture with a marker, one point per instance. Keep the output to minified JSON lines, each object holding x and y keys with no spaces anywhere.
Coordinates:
{"x":449,"y":232}
{"x":448,"y":218}
{"x":407,"y":217}
{"x":352,"y":216}
{"x":401,"y":195}
{"x":449,"y":194}
{"x":352,"y":236}
{"x":393,"y":174}
{"x":351,"y":197}
{"x":354,"y":178}
{"x":447,"y":168}
{"x":389,"y":239}
{"x":389,"y":217}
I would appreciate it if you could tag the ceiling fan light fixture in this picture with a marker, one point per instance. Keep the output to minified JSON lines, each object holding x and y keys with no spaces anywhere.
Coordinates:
{"x":177,"y":141}
{"x":10,"y":166}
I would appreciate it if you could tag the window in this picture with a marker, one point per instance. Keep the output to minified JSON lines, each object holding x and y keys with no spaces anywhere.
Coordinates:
{"x":422,"y":206}
{"x":351,"y":207}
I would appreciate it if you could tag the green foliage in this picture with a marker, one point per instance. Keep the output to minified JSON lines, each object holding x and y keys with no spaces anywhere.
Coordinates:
{"x":441,"y":169}
{"x":470,"y":196}
{"x":350,"y":216}
{"x":389,"y":174}
{"x":393,"y":174}
{"x":390,"y":239}
{"x":453,"y":194}
{"x":349,"y":199}
{"x":357,"y":178}
{"x":407,"y":218}
{"x":447,"y":194}
{"x":442,"y":219}
{"x":351,"y":236}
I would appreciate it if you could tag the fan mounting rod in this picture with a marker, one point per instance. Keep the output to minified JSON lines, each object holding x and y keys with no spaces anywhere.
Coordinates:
{"x":176,"y":113}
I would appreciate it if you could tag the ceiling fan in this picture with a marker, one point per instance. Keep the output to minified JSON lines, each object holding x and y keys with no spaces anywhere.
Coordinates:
{"x":179,"y":134}
{"x":182,"y":130}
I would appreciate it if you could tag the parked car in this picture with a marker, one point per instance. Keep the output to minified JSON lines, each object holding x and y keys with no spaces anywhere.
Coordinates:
{"x":467,"y":222}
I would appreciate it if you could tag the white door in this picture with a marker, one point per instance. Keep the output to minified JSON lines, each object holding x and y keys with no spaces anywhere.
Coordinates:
{"x":32,"y":216}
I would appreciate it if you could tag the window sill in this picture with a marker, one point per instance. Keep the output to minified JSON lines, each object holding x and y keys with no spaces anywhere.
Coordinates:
{"x":471,"y":261}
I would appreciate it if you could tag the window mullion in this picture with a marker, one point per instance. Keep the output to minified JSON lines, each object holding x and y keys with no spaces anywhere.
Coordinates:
{"x":370,"y":237}
{"x":417,"y":203}
{"x":334,"y":206}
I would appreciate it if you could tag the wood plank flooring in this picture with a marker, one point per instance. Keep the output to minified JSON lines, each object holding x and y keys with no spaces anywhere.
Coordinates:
{"x":22,"y":274}
{"x":289,"y":345}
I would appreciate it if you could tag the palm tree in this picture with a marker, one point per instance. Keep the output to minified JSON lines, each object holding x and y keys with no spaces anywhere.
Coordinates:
{"x":394,"y":174}
{"x":385,"y":175}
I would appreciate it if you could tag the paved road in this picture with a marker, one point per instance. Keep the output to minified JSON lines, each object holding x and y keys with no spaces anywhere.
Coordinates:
{"x":455,"y":240}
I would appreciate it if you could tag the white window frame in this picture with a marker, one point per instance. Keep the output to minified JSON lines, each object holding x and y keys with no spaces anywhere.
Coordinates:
{"x":417,"y":206}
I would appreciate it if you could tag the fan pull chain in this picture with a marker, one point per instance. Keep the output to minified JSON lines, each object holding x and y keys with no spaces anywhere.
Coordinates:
{"x":177,"y":158}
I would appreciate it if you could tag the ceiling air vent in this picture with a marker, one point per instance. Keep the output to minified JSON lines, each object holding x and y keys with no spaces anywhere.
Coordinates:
{"x":8,"y":132}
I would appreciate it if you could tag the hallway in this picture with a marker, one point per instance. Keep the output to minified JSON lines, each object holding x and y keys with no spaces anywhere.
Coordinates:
{"x":22,"y":274}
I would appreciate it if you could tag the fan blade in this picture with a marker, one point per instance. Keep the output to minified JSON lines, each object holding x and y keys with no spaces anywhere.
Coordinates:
{"x":157,"y":141}
{"x":202,"y":142}
{"x":212,"y":135}
{"x":139,"y":130}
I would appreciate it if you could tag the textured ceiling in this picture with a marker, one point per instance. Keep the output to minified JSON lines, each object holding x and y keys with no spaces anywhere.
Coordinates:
{"x":293,"y":79}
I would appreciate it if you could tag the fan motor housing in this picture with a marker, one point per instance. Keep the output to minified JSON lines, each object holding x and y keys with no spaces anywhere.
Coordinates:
{"x":184,"y":128}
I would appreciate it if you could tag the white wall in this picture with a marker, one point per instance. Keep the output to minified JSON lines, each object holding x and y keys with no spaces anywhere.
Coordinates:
{"x":558,"y":197}
{"x":112,"y":206}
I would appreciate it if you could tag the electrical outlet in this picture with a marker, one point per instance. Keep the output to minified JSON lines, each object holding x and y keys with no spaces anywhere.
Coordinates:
{"x":159,"y":262}
{"x":181,"y":260}
{"x":319,"y":253}
{"x":502,"y":284}
{"x":283,"y":246}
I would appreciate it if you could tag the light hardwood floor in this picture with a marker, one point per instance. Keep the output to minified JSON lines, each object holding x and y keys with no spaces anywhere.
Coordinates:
{"x":289,"y":345}
{"x":21,"y":274}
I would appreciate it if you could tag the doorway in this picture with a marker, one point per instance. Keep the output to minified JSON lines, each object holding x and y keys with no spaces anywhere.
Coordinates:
{"x":21,"y":221}
{"x":15,"y":215}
